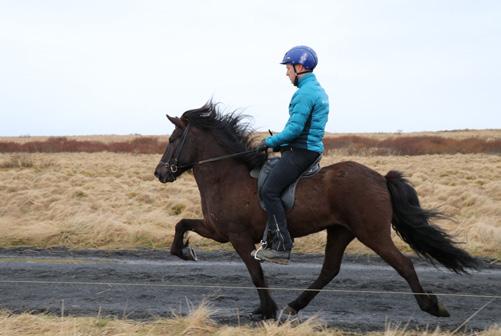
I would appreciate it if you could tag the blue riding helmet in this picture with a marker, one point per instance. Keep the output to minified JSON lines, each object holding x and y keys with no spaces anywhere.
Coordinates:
{"x":301,"y":55}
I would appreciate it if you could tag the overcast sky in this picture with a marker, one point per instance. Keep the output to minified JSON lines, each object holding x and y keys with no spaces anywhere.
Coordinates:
{"x":117,"y":67}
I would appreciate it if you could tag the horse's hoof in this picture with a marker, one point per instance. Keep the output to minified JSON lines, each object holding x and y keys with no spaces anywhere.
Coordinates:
{"x":259,"y":314}
{"x":257,"y":311}
{"x":441,"y":311}
{"x":189,"y":253}
{"x":255,"y":317}
{"x":289,"y":311}
{"x":435,"y":308}
{"x":288,"y":314}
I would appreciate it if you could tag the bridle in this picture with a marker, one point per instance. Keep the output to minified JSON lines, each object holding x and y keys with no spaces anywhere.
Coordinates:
{"x":172,"y":162}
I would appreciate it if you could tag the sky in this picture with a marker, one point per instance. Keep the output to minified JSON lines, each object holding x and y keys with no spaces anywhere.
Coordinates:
{"x":117,"y":66}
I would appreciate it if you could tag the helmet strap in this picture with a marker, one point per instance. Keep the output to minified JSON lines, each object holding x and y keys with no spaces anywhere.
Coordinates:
{"x":296,"y":78}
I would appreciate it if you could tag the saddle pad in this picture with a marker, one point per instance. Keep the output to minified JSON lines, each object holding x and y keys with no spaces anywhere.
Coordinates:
{"x":288,"y":196}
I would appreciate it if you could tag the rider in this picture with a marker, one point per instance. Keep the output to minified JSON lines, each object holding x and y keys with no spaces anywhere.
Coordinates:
{"x":300,"y":143}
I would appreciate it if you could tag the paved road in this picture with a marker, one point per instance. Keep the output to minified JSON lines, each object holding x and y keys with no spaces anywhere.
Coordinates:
{"x":143,"y":284}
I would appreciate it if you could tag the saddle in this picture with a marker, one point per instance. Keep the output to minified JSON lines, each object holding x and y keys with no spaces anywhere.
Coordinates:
{"x":288,"y":196}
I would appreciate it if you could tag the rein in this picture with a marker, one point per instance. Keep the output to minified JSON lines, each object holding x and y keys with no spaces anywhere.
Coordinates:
{"x":174,"y":166}
{"x":223,"y":157}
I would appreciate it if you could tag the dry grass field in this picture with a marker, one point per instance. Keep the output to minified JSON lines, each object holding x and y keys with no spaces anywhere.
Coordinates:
{"x":112,"y":201}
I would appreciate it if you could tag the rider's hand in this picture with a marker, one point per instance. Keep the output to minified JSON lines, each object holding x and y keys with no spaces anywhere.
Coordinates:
{"x":261,"y":147}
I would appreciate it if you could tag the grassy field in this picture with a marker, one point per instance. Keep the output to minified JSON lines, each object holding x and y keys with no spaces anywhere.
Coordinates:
{"x":112,"y":201}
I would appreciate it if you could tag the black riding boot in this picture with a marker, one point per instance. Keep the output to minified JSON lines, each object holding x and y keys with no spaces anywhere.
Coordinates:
{"x":280,"y":237}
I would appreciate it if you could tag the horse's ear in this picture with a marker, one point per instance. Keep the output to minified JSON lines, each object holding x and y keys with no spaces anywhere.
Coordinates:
{"x":176,"y":121}
{"x":171,"y":119}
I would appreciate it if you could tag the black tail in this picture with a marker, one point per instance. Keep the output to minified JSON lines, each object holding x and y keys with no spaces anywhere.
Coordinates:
{"x":412,"y":224}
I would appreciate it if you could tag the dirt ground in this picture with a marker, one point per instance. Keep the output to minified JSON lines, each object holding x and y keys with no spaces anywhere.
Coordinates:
{"x":151,"y":283}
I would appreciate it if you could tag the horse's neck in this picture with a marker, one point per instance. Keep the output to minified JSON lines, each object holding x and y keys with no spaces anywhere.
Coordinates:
{"x":216,"y":179}
{"x":213,"y":176}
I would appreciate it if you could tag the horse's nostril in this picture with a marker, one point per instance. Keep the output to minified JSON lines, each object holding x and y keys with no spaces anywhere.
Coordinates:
{"x":156,"y":174}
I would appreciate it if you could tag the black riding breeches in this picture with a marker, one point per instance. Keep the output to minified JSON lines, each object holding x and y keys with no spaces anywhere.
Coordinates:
{"x":291,"y":165}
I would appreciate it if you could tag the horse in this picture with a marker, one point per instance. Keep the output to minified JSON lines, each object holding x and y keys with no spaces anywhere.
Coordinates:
{"x":347,"y":199}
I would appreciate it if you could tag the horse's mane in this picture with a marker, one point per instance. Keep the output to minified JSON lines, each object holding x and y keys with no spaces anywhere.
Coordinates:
{"x":231,"y":131}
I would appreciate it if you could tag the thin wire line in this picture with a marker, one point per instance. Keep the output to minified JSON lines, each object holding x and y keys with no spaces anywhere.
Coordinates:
{"x":472,"y":316}
{"x":163,"y":285}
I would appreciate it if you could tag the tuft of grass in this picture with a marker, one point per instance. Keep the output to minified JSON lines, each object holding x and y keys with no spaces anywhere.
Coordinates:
{"x":79,"y":194}
{"x":17,"y":161}
{"x":23,"y":161}
{"x":102,"y":322}
{"x":177,"y":209}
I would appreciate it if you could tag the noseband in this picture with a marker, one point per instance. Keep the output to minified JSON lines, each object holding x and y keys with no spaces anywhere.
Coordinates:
{"x":172,"y":162}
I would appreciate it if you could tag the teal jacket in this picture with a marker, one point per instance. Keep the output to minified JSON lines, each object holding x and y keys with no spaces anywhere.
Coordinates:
{"x":308,"y":112}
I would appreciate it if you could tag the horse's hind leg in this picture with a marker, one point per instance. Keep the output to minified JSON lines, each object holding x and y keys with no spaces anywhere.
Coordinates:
{"x":383,"y":245}
{"x":337,"y":239}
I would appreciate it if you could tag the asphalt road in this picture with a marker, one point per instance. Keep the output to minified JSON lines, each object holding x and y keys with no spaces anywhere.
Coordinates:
{"x":148,"y":284}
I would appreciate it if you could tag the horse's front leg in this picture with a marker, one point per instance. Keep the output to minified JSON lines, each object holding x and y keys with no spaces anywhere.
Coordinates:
{"x":181,"y":248}
{"x":244,"y":245}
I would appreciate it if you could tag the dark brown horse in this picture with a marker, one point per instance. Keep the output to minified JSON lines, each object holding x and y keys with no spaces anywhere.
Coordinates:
{"x":347,"y":199}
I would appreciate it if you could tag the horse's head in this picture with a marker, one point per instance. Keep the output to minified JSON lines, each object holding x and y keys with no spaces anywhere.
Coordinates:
{"x":178,"y":155}
{"x":206,"y":133}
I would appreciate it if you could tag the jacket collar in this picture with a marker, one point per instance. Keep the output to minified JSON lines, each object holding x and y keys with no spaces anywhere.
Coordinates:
{"x":308,"y":77}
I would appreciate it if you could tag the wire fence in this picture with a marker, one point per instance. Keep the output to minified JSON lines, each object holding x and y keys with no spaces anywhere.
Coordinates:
{"x":231,"y":287}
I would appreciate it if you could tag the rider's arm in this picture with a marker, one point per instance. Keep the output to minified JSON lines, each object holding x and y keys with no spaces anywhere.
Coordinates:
{"x":300,"y":111}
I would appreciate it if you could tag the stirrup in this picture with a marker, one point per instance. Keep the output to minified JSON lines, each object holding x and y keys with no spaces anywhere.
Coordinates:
{"x":274,"y":256}
{"x":262,"y":245}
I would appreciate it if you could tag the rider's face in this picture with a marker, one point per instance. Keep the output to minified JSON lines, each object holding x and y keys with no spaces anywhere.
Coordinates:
{"x":290,"y":72}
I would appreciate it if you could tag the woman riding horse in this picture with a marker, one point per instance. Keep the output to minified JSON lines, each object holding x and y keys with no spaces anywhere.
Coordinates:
{"x":300,"y":143}
{"x":346,"y":199}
